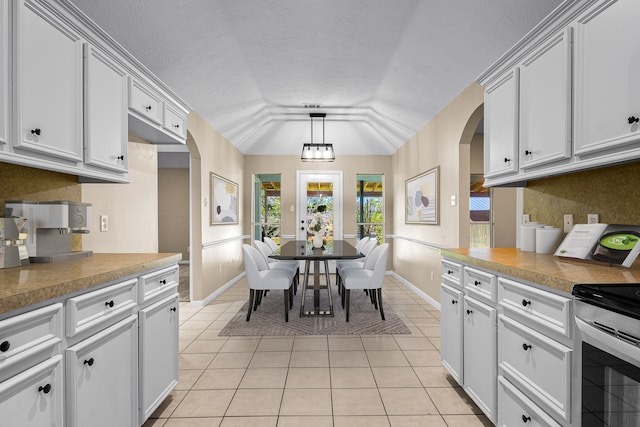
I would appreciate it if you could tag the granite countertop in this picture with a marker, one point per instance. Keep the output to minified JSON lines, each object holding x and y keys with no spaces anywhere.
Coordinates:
{"x":547,"y":270}
{"x":36,"y":283}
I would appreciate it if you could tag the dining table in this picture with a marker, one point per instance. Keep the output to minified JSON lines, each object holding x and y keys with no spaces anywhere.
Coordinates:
{"x":302,"y":250}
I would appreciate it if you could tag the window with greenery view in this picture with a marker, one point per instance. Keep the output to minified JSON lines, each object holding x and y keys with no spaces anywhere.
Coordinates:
{"x":369,"y":206}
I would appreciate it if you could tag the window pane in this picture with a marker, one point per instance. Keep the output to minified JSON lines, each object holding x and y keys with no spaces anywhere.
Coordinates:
{"x":369,"y":206}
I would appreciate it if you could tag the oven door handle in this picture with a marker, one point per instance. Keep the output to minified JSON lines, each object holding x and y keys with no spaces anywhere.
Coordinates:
{"x":609,"y":343}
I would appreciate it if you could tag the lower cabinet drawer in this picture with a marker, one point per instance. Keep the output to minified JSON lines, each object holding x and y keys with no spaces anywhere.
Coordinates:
{"x":29,"y":338}
{"x":538,"y":365}
{"x":157,"y":283}
{"x":515,"y":409}
{"x":95,"y":310}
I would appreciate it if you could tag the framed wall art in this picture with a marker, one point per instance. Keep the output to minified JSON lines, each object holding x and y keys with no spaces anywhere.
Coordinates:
{"x":422,"y":204}
{"x":224,"y":200}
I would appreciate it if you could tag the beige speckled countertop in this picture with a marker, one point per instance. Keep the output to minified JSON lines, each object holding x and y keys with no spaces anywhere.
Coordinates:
{"x":547,"y":270}
{"x":36,"y":283}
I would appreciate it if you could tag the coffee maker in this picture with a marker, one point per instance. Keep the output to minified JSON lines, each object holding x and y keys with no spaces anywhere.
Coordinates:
{"x":50,"y":226}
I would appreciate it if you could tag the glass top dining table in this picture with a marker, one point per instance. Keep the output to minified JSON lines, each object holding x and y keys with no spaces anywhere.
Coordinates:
{"x":302,"y":250}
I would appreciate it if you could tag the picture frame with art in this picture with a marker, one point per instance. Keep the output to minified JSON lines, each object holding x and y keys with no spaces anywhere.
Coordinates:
{"x":224,"y":200}
{"x":422,"y":198}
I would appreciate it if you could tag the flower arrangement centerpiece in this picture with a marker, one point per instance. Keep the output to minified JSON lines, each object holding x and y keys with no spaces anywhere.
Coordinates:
{"x":318,"y":223}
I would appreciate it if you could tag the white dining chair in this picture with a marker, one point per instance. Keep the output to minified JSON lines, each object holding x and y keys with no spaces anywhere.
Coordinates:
{"x":366,"y":249}
{"x":370,"y":277}
{"x":271,"y":243}
{"x":260,"y":278}
{"x":275,"y":264}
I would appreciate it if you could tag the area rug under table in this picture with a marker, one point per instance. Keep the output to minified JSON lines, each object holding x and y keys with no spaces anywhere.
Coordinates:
{"x":268,"y":319}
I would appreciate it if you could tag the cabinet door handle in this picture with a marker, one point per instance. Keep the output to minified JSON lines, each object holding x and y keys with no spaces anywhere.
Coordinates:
{"x":45,"y":388}
{"x":525,"y":419}
{"x":37,"y":131}
{"x":89,"y":362}
{"x":631,"y":120}
{"x":147,"y":107}
{"x":525,"y":302}
{"x":449,"y":272}
{"x":120,"y":157}
{"x":109,"y":304}
{"x":454,"y":301}
{"x":163,"y":281}
{"x":172,"y":309}
{"x":527,"y":152}
{"x":5,"y":346}
{"x":477,"y":283}
{"x":526,"y":346}
{"x":469,"y":311}
{"x":507,"y":160}
{"x":176,"y":126}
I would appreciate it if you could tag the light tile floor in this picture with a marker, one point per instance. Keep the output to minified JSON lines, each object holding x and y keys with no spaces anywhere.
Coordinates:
{"x":324,"y":381}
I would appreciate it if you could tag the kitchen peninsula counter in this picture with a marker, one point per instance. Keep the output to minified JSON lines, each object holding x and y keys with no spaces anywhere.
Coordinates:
{"x":34,"y":284}
{"x":556,"y":273}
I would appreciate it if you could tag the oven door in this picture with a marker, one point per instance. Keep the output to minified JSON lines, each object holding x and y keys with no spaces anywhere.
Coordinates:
{"x":610,"y":371}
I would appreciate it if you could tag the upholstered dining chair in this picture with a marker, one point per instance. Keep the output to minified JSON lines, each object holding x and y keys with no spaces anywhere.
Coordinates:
{"x":271,"y":243}
{"x":370,"y":277}
{"x":366,"y":249}
{"x":261,"y":278}
{"x":275,"y":264}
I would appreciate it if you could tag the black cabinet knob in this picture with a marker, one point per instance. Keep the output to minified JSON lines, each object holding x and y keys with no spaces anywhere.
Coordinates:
{"x":120,"y":157}
{"x":631,"y":120}
{"x":469,"y":311}
{"x":527,"y":152}
{"x":109,"y":304}
{"x":525,"y":419}
{"x":4,"y":346}
{"x":526,"y":346}
{"x":525,"y":302}
{"x":449,"y":272}
{"x":147,"y":107}
{"x":89,"y":362}
{"x":37,"y":131}
{"x":454,"y":301}
{"x":45,"y":388}
{"x":507,"y":160}
{"x":477,"y":282}
{"x":172,"y":309}
{"x":163,"y":281}
{"x":176,"y":126}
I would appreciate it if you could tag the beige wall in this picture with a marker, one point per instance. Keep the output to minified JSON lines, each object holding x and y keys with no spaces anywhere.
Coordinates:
{"x":443,"y":142}
{"x":132,"y":208}
{"x":288,"y":166}
{"x":216,"y":254}
{"x":173,"y":211}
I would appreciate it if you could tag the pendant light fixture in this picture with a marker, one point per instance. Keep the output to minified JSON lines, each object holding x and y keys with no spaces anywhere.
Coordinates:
{"x":317,"y":152}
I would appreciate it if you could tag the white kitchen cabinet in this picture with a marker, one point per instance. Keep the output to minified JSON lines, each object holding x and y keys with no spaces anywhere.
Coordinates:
{"x":102,"y":378}
{"x":105,"y":111}
{"x":516,"y":409}
{"x":49,"y":85}
{"x":4,"y":73}
{"x":545,"y":103}
{"x":480,"y":355}
{"x":34,"y":398}
{"x":174,"y":121}
{"x":451,"y":324}
{"x":607,"y":97}
{"x":158,"y":369}
{"x":501,"y":125}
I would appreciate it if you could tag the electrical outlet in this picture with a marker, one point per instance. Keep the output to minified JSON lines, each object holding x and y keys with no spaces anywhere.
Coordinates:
{"x":568,"y":222}
{"x":526,"y":218}
{"x":104,"y":223}
{"x":593,"y":218}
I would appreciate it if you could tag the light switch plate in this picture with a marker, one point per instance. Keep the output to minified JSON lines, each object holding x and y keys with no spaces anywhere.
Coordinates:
{"x":568,"y":222}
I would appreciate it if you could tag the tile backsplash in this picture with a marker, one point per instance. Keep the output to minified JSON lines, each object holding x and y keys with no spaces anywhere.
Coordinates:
{"x":611,"y":192}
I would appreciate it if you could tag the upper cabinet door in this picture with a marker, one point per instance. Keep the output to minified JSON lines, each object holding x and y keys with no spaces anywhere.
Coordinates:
{"x":4,"y":72}
{"x":545,"y":103}
{"x":607,"y":71}
{"x":105,"y":112}
{"x":501,"y":125}
{"x":49,"y":85}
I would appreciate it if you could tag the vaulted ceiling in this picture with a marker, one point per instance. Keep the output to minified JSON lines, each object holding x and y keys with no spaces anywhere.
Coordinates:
{"x":379,"y":69}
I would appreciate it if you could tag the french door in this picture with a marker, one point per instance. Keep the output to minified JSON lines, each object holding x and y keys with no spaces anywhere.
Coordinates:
{"x":319,"y":194}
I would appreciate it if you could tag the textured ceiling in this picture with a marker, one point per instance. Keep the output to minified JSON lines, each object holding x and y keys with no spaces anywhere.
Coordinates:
{"x":379,"y":69}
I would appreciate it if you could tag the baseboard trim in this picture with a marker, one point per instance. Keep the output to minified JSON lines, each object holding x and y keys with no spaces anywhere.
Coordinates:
{"x":218,"y":291}
{"x":415,"y":289}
